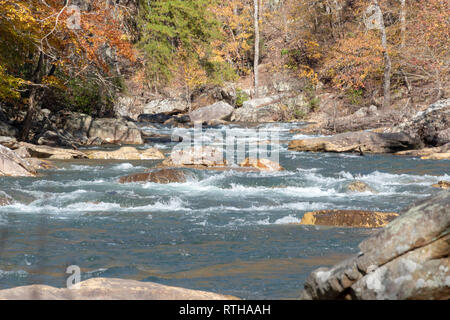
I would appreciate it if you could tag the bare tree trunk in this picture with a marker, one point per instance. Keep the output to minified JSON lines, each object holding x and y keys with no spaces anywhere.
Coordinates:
{"x":256,"y":57}
{"x":403,"y":23}
{"x":387,"y":61}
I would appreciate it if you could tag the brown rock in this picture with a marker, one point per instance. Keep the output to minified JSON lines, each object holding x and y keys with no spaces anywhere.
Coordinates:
{"x":359,"y":186}
{"x":115,"y":131}
{"x":161,"y":176}
{"x":110,"y":289}
{"x":262,"y":164}
{"x":5,"y":200}
{"x":126,"y":153}
{"x":442,"y":184}
{"x":348,"y":218}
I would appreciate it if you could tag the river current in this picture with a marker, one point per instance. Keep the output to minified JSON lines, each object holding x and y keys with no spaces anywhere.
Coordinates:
{"x":228,"y":232}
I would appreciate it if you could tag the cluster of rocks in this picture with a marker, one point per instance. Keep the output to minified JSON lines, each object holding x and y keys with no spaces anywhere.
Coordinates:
{"x":407,"y":259}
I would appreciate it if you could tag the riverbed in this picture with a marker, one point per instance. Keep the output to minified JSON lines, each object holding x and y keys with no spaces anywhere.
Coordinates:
{"x":229,"y":232}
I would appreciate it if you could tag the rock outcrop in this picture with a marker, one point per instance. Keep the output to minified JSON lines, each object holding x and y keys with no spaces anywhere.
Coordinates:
{"x":162,"y":176}
{"x":431,"y":127}
{"x":408,"y":259}
{"x":126,"y":153}
{"x":13,"y":165}
{"x":109,"y":289}
{"x":217,"y":111}
{"x":348,"y":218}
{"x":115,"y":131}
{"x":84,"y":129}
{"x":361,"y":141}
{"x":261,"y":164}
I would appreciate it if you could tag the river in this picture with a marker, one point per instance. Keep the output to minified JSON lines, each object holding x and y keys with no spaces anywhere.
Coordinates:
{"x":228,"y":232}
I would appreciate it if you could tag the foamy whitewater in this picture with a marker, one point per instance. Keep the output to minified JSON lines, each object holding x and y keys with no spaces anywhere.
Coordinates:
{"x":229,"y":232}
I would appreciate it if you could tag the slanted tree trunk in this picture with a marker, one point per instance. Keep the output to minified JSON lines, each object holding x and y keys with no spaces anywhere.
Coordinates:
{"x":256,"y":57}
{"x":403,"y":23}
{"x":387,"y":61}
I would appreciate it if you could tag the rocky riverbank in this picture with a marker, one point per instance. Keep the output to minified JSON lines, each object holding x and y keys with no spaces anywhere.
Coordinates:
{"x":408,"y":259}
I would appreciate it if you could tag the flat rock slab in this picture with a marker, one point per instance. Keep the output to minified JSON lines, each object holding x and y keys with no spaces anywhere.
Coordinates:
{"x":126,"y":153}
{"x":110,"y":289}
{"x":348,"y":218}
{"x":163,"y":176}
{"x":361,"y":141}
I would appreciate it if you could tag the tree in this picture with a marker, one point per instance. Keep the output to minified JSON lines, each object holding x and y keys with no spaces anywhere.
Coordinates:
{"x":40,"y":49}
{"x":387,"y":58}
{"x":256,"y":57}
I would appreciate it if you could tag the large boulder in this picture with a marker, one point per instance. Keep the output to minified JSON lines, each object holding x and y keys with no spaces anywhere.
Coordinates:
{"x":109,"y":289}
{"x":258,"y":110}
{"x":348,"y":218}
{"x":431,"y":126}
{"x":408,"y":259}
{"x":165,"y":105}
{"x":12,"y":164}
{"x":361,"y":141}
{"x":126,"y":153}
{"x":202,"y":156}
{"x":162,"y":176}
{"x":217,"y":111}
{"x":115,"y":131}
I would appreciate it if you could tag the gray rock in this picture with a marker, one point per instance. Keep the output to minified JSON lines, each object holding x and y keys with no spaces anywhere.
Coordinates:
{"x":109,"y":289}
{"x":408,"y":259}
{"x":164,"y":105}
{"x":361,"y":141}
{"x":217,"y":111}
{"x":115,"y":131}
{"x":431,"y":126}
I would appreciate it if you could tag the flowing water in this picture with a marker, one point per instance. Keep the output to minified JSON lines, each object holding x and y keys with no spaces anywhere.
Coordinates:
{"x":227,"y":232}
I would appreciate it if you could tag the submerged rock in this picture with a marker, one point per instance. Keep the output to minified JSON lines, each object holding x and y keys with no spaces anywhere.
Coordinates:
{"x":5,"y":200}
{"x":348,"y":218}
{"x":359,"y":186}
{"x":361,"y":141}
{"x":262,"y":164}
{"x":442,"y":184}
{"x":408,"y":259}
{"x":160,"y":176}
{"x":110,"y":289}
{"x":126,"y":153}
